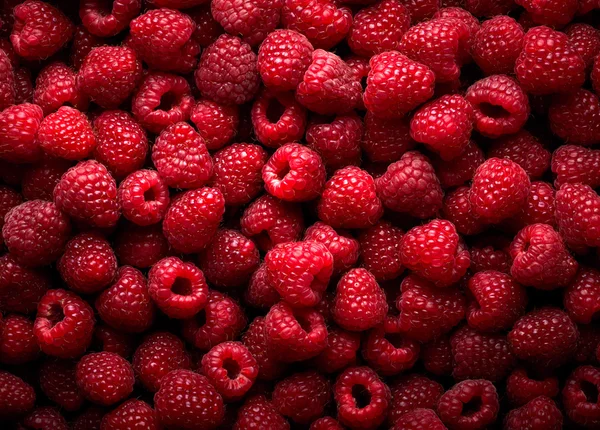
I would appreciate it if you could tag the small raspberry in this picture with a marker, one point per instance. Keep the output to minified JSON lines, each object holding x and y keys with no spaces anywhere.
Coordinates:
{"x":581,"y":296}
{"x":258,"y":411}
{"x":412,"y":392}
{"x":553,"y":13}
{"x":140,"y":247}
{"x":460,"y":169}
{"x":18,"y":344}
{"x":579,"y":396}
{"x":380,"y":250}
{"x":18,"y":128}
{"x":83,"y":43}
{"x":44,"y":418}
{"x":470,"y":404}
{"x":525,"y":150}
{"x":216,"y":123}
{"x":57,"y":381}
{"x":108,"y":18}
{"x":522,"y":387}
{"x":253,"y":20}
{"x":16,"y":396}
{"x":21,"y":288}
{"x":67,"y":134}
{"x":388,"y":351}
{"x":437,"y":356}
{"x":131,"y":414}
{"x":302,"y":396}
{"x":585,"y":39}
{"x":458,"y":210}
{"x":104,"y":377}
{"x":255,"y":339}
{"x":577,"y":211}
{"x":277,"y":119}
{"x":575,"y":164}
{"x":540,"y":413}
{"x":144,"y":197}
{"x":575,"y":117}
{"x":340,"y":352}
{"x":342,"y":246}
{"x":56,"y":86}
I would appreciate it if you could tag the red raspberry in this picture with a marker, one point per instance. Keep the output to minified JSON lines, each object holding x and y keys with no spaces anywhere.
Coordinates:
{"x":140,"y":247}
{"x":130,"y":414}
{"x":88,"y":194}
{"x":283,"y":58}
{"x":66,"y":133}
{"x":221,"y":320}
{"x":44,"y":418}
{"x":40,"y":30}
{"x":436,"y":252}
{"x":359,"y":302}
{"x":412,"y":392}
{"x":40,"y":179}
{"x":18,"y":344}
{"x":127,"y":305}
{"x":64,"y":324}
{"x":470,"y":404}
{"x":90,"y":419}
{"x":7,"y":87}
{"x":342,"y":246}
{"x":109,"y":75}
{"x":207,"y":29}
{"x":579,"y":396}
{"x":216,"y":123}
{"x":56,"y":86}
{"x":521,"y":387}
{"x":326,"y":423}
{"x":337,"y":141}
{"x":341,"y":351}
{"x":302,"y":396}
{"x":57,"y":381}
{"x":444,"y":125}
{"x":187,"y":400}
{"x":16,"y":396}
{"x":457,"y":12}
{"x":108,"y":18}
{"x":277,"y":119}
{"x":539,"y":207}
{"x":9,"y":199}
{"x":525,"y":150}
{"x":581,"y":296}
{"x":378,"y":28}
{"x":162,"y":99}
{"x":499,"y":191}
{"x":396,"y":85}
{"x":178,"y":289}
{"x":253,"y":20}
{"x":18,"y":128}
{"x":577,"y":209}
{"x":500,"y":105}
{"x":108,"y":339}
{"x":163,"y":39}
{"x":422,"y":10}
{"x":388,"y":351}
{"x":260,"y":294}
{"x":380,"y":250}
{"x":575,"y":117}
{"x":21,"y":288}
{"x":549,"y":63}
{"x":144,"y":197}
{"x":540,"y":413}
{"x":575,"y":164}
{"x":329,"y":86}
{"x":437,"y":356}
{"x":427,"y":312}
{"x":458,"y":210}
{"x":550,"y":12}
{"x":104,"y":377}
{"x":322,"y":22}
{"x":418,"y":419}
{"x":23,"y":85}
{"x":255,"y":339}
{"x":362,"y":398}
{"x":237,"y":172}
{"x":159,"y":354}
{"x":460,"y":169}
{"x":258,"y":411}
{"x":546,"y":337}
{"x":227,"y":72}
{"x":585,"y":39}
{"x":193,"y":219}
{"x":83,"y":43}
{"x":121,"y":143}
{"x":540,"y":258}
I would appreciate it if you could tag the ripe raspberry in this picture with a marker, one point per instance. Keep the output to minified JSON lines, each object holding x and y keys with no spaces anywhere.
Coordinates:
{"x":380,"y":250}
{"x":18,"y":344}
{"x":162,"y":99}
{"x":56,"y":86}
{"x":255,"y":339}
{"x":585,"y":39}
{"x":40,"y":179}
{"x":549,"y":63}
{"x":258,"y":411}
{"x":539,"y":208}
{"x":522,"y":387}
{"x":525,"y":150}
{"x":329,"y":86}
{"x":67,"y":134}
{"x":140,"y":247}
{"x":349,"y":200}
{"x":422,"y":10}
{"x":21,"y":288}
{"x":57,"y":381}
{"x":7,"y":87}
{"x":227,"y":72}
{"x":396,"y":85}
{"x":302,"y":396}
{"x":277,"y":119}
{"x":579,"y":396}
{"x":216,"y":123}
{"x":362,"y":398}
{"x":575,"y":117}
{"x":83,"y":43}
{"x":253,"y":20}
{"x":260,"y":294}
{"x":412,"y":392}
{"x":88,"y":194}
{"x":283,"y":58}
{"x":437,"y":356}
{"x":108,"y":339}
{"x":469,"y":404}
{"x":539,"y":414}
{"x":121,"y":143}
{"x":458,"y":210}
{"x":550,"y":12}
{"x":16,"y":396}
{"x":388,"y":351}
{"x":342,"y":246}
{"x":326,"y":423}
{"x":546,"y":337}
{"x":359,"y":302}
{"x":89,"y":419}
{"x":322,"y":22}
{"x":575,"y":164}
{"x":64,"y":324}
{"x":457,"y":12}
{"x":187,"y":400}
{"x":341,"y":351}
{"x":144,"y":197}
{"x":193,"y":219}
{"x":18,"y":128}
{"x":44,"y":418}
{"x":436,"y":252}
{"x":109,"y":75}
{"x":577,"y":209}
{"x":106,"y":19}
{"x":580,"y":298}
{"x":104,"y":377}
{"x":418,"y":419}
{"x":337,"y":141}
{"x":460,"y":169}
{"x":207,"y":29}
{"x":40,"y":30}
{"x":130,"y":414}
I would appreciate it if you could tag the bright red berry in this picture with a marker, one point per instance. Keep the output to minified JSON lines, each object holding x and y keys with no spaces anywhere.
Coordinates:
{"x":575,"y":116}
{"x":131,"y":414}
{"x":302,"y":396}
{"x":104,"y":377}
{"x":18,"y":344}
{"x":56,"y":86}
{"x":216,"y":123}
{"x":18,"y":128}
{"x":469,"y":404}
{"x":523,"y":386}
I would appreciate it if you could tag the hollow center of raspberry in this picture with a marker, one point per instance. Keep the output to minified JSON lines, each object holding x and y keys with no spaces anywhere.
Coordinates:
{"x":232,"y":367}
{"x":167,"y":101}
{"x":274,"y":111}
{"x":526,"y":246}
{"x":182,"y":287}
{"x":283,"y":171}
{"x":472,"y":407}
{"x":590,"y":390}
{"x":150,"y":195}
{"x":493,"y":111}
{"x":362,"y":397}
{"x":396,"y":340}
{"x":56,"y":314}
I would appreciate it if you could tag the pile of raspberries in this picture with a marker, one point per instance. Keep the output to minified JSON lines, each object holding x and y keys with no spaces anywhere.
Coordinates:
{"x":299,"y":214}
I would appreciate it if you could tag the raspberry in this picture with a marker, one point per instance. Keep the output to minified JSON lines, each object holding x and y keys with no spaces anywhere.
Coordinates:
{"x":193,"y":219}
{"x":127,"y":305}
{"x":396,"y":84}
{"x":56,"y":86}
{"x":16,"y":396}
{"x":322,"y":22}
{"x":359,"y":302}
{"x":575,"y":117}
{"x":106,"y":19}
{"x":40,"y":179}
{"x":7,"y":88}
{"x":549,"y":63}
{"x":21,"y":288}
{"x":521,"y":387}
{"x":18,"y":344}
{"x":388,"y":351}
{"x":88,"y":194}
{"x":349,"y":200}
{"x":108,"y":339}
{"x":162,"y":99}
{"x":40,"y":30}
{"x":435,"y":252}
{"x":501,"y":106}
{"x":460,"y":169}
{"x":283,"y":58}
{"x":277,"y":119}
{"x":580,"y":297}
{"x":260,"y":294}
{"x":216,"y":123}
{"x":227,"y":72}
{"x":585,"y":39}
{"x":163,"y":39}
{"x":104,"y":377}
{"x":44,"y":418}
{"x":255,"y":339}
{"x":131,"y":414}
{"x":258,"y":411}
{"x":362,"y":398}
{"x":412,"y":392}
{"x":18,"y":128}
{"x":539,"y":207}
{"x":302,"y":396}
{"x":67,"y":134}
{"x":458,"y":210}
{"x":575,"y":164}
{"x":437,"y":356}
{"x":444,"y":125}
{"x":342,"y":246}
{"x":470,"y":404}
{"x":460,"y":14}
{"x":378,"y":28}
{"x":539,"y":414}
{"x":144,"y":197}
{"x":546,"y":337}
{"x":57,"y":381}
{"x":427,"y":312}
{"x":422,"y":10}
{"x":326,"y":423}
{"x":550,"y":12}
{"x":207,"y":29}
{"x":187,"y":400}
{"x":253,"y":20}
{"x":340,"y":352}
{"x":140,"y":247}
{"x":579,"y":396}
{"x":83,"y":43}
{"x":90,"y":419}
{"x":525,"y":150}
{"x":121,"y":143}
{"x":237,"y":172}
{"x":109,"y":75}
{"x":380,"y":250}
{"x":64,"y":324}
{"x":9,"y":199}
{"x":577,"y":209}
{"x":329,"y":86}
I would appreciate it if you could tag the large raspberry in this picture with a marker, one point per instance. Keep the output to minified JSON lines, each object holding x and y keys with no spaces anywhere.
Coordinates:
{"x":277,"y":119}
{"x":575,"y":117}
{"x":18,"y":344}
{"x":523,"y":386}
{"x":57,"y":381}
{"x":106,"y":19}
{"x":469,"y":404}
{"x":524,"y":149}
{"x":577,"y":215}
{"x":216,"y":123}
{"x":337,"y":140}
{"x":386,"y":140}
{"x":497,"y":45}
{"x":540,"y":413}
{"x":45,"y":417}
{"x":143,"y":197}
{"x":380,"y":250}
{"x":258,"y":409}
{"x":17,"y":397}
{"x":18,"y":128}
{"x":581,"y":296}
{"x":302,"y":396}
{"x":55,"y":86}
{"x":388,"y":351}
{"x":412,"y":392}
{"x":104,"y":377}
{"x":67,"y":134}
{"x":139,"y":246}
{"x":575,"y":164}
{"x":131,"y":414}
{"x":586,"y":41}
